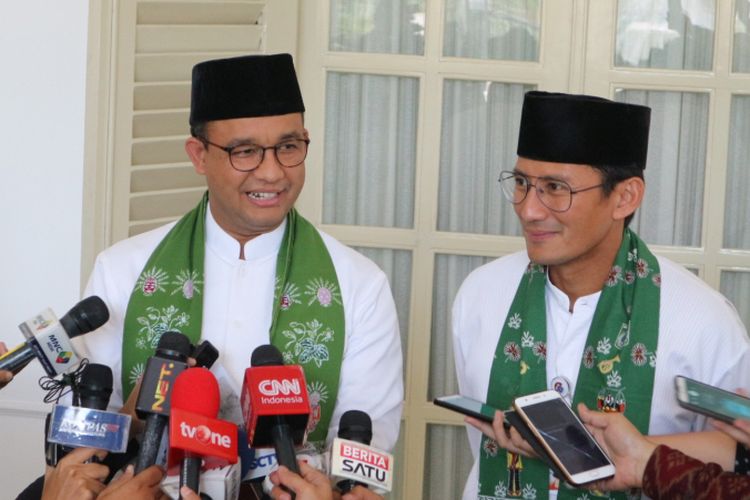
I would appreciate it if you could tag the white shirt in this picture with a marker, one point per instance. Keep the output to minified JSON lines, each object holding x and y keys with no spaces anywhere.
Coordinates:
{"x":237,"y":310}
{"x":700,"y":336}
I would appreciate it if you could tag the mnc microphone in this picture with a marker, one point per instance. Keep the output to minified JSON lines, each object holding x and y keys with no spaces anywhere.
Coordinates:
{"x":194,"y":432}
{"x":275,"y":405}
{"x":48,"y":340}
{"x":153,"y":402}
{"x":353,"y":461}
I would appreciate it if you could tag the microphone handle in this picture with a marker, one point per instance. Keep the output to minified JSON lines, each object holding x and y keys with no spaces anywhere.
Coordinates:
{"x":15,"y":360}
{"x":284,"y":447}
{"x":155,"y":425}
{"x":347,"y":485}
{"x":190,"y":473}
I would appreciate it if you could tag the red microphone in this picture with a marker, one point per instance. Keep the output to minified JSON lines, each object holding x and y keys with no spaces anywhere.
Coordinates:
{"x":275,"y":405}
{"x":194,"y":432}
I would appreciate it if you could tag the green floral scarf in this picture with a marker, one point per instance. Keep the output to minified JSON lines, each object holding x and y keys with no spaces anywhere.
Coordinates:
{"x":308,"y":317}
{"x":617,"y":372}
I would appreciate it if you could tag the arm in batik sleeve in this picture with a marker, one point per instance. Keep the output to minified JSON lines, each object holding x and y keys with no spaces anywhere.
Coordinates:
{"x":672,"y":474}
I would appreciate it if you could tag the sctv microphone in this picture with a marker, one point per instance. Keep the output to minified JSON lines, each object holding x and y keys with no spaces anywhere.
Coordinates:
{"x":275,"y":405}
{"x":48,"y":339}
{"x":353,"y":461}
{"x":88,"y":424}
{"x":153,"y":402}
{"x":196,"y":436}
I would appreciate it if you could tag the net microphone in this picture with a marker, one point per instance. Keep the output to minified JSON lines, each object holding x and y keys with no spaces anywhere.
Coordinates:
{"x":48,"y":339}
{"x":275,"y":405}
{"x":353,"y":461}
{"x":195,"y":434}
{"x":153,"y":404}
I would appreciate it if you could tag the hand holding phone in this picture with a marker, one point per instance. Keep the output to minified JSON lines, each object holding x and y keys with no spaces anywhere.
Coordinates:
{"x":485,"y":413}
{"x":564,"y":439}
{"x":711,"y":401}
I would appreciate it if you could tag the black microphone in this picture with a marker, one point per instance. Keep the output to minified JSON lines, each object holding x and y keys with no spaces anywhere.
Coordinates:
{"x":153,"y":402}
{"x":93,"y":391}
{"x":354,"y":425}
{"x":87,"y":315}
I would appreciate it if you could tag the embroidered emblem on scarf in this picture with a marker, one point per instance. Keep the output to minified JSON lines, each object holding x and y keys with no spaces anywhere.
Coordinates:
{"x":617,"y":366}
{"x":308,"y":318}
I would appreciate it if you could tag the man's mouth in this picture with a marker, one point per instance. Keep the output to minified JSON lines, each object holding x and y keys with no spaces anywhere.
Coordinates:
{"x":256,"y":195}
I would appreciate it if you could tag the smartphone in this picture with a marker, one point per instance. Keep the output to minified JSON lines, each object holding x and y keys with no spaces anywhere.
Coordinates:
{"x":562,"y":434}
{"x":467,"y":406}
{"x":711,"y":401}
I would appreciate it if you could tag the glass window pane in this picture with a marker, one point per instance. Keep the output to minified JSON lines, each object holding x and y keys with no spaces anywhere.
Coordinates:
{"x":670,"y":34}
{"x":450,"y":272}
{"x":479,"y":139}
{"x":492,"y":29}
{"x":735,"y":285}
{"x":381,"y":26}
{"x":448,"y":460}
{"x":741,"y":48}
{"x":672,"y":210}
{"x":370,"y":150}
{"x":737,"y":208}
{"x":396,"y":264}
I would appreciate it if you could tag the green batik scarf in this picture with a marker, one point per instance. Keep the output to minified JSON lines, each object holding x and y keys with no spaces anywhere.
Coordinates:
{"x":308,"y":317}
{"x":617,"y":371}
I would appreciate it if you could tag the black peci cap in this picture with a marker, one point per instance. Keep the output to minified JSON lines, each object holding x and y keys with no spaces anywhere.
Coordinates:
{"x":589,"y":130}
{"x":247,"y":86}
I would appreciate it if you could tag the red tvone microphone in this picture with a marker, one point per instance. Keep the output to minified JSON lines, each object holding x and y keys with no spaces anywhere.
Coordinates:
{"x":275,"y":405}
{"x":195,"y":434}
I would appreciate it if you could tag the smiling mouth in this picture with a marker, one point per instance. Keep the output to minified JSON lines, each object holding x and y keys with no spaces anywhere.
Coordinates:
{"x":262,"y":196}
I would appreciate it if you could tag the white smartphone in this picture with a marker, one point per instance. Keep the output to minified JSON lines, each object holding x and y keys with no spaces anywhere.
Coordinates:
{"x":711,"y":401}
{"x":568,"y":443}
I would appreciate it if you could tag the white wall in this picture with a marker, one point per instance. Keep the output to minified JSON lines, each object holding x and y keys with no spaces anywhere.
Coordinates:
{"x":42,"y":103}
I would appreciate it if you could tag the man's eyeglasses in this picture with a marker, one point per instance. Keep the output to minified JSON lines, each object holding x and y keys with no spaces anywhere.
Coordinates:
{"x":554,"y":194}
{"x":247,"y":157}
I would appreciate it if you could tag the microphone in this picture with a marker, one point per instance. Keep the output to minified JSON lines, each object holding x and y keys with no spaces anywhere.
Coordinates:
{"x":275,"y":405}
{"x":89,"y":424}
{"x":194,"y":431}
{"x":153,"y":403}
{"x":353,"y":461}
{"x":48,"y":339}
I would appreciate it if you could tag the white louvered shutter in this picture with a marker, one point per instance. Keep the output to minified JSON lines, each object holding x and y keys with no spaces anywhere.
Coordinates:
{"x":158,"y":42}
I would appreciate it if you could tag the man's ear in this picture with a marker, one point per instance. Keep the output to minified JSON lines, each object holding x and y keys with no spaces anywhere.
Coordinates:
{"x":629,"y":196}
{"x":196,"y":151}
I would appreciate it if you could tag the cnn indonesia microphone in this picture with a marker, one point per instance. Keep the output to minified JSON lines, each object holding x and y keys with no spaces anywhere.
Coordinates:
{"x":153,"y":404}
{"x":275,"y":405}
{"x":48,"y":339}
{"x":89,"y":424}
{"x":196,"y":436}
{"x":353,"y":461}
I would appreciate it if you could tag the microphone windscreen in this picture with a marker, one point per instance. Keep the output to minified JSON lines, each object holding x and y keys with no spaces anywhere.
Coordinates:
{"x":96,"y":385}
{"x":266,"y":355}
{"x":356,"y":425}
{"x":174,"y":345}
{"x":88,"y":315}
{"x":197,"y":391}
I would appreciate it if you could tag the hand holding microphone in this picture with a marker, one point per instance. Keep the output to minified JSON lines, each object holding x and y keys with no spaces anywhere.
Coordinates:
{"x":48,"y":340}
{"x":74,"y":478}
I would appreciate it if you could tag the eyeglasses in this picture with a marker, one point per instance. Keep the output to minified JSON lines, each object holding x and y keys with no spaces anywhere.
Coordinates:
{"x":554,"y":194}
{"x":248,"y":157}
